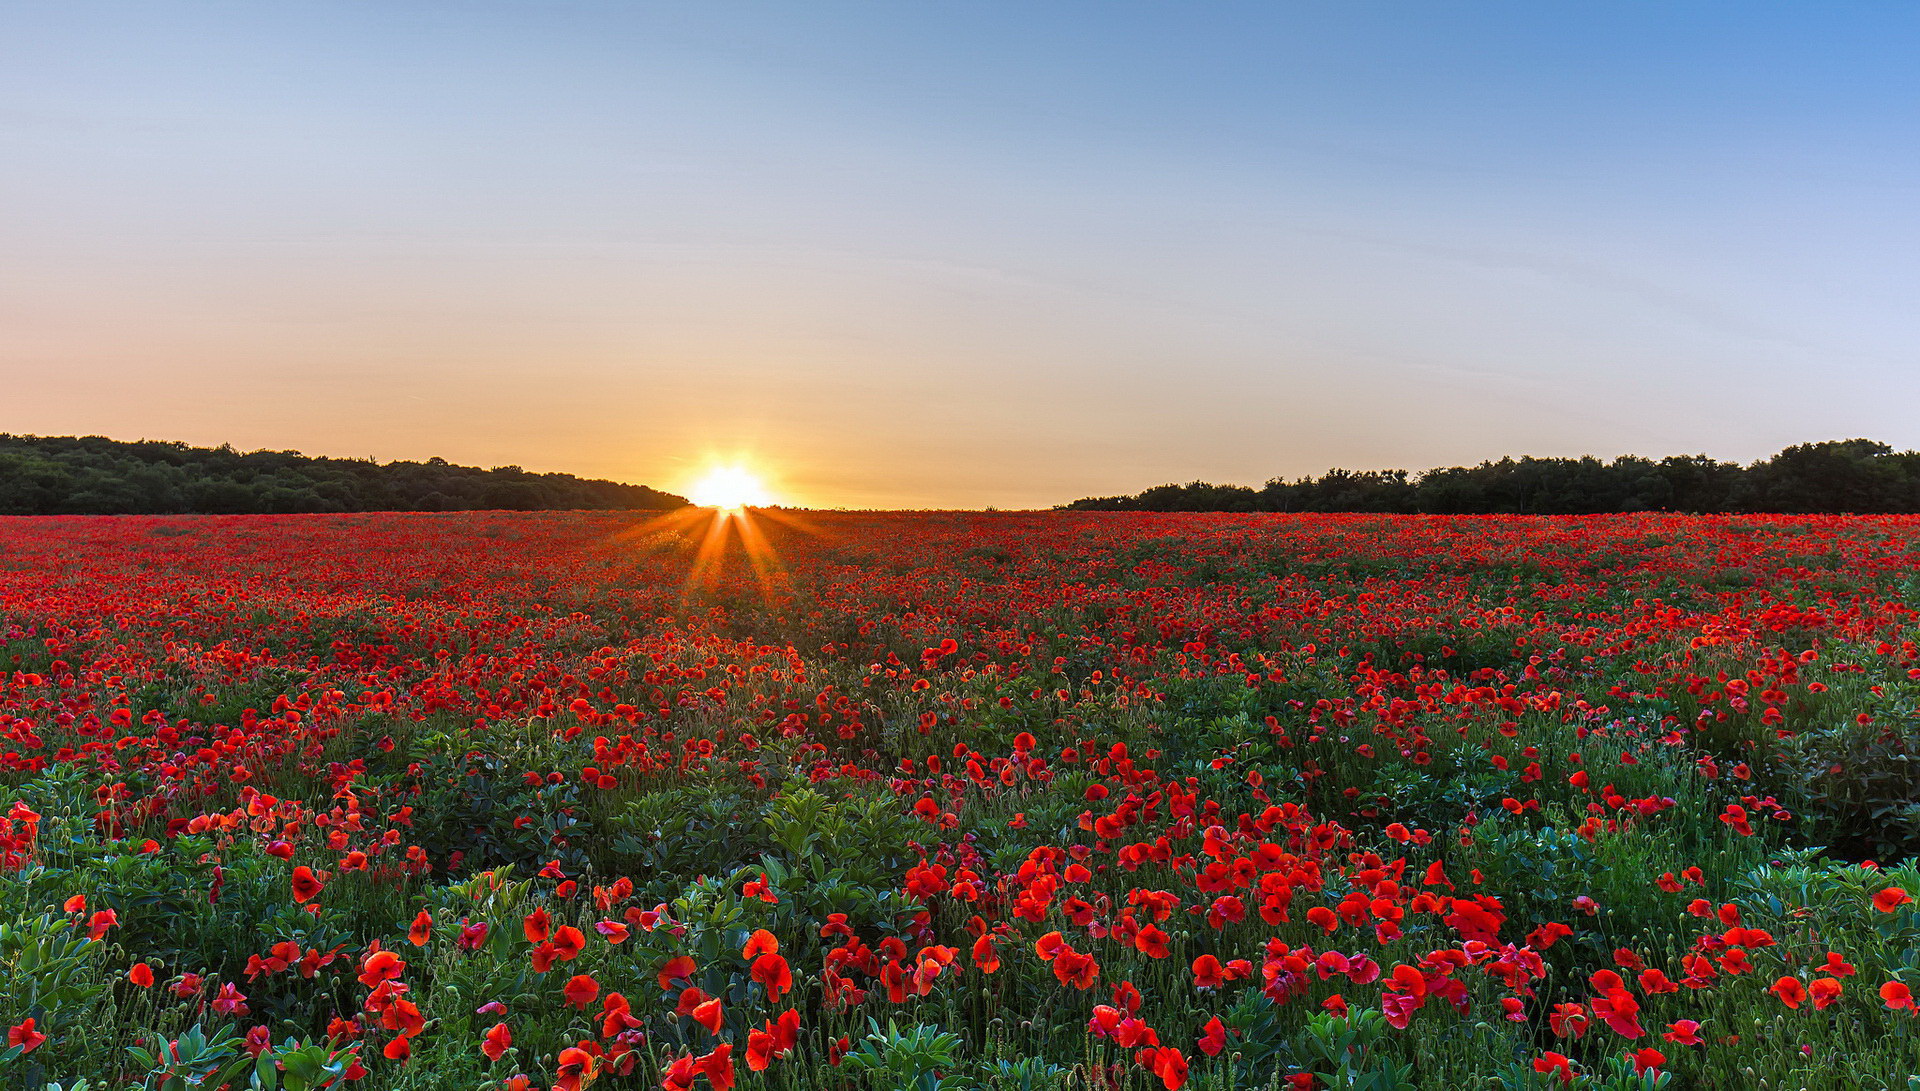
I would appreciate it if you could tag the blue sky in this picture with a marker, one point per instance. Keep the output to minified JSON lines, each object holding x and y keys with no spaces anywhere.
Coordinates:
{"x":912,"y":254}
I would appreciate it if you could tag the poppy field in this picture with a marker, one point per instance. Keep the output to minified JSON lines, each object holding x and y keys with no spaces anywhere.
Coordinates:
{"x":519,"y":801}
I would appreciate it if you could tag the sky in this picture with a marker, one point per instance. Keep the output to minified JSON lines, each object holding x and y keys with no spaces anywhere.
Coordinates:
{"x":961,"y":254}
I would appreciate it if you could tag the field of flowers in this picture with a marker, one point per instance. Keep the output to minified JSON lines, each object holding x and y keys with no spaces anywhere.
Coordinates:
{"x":959,"y":801}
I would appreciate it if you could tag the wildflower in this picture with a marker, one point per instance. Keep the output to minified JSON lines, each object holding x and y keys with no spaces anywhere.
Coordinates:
{"x":568,"y":942}
{"x":1206,"y":973}
{"x":576,"y":1069}
{"x":1568,"y":1020}
{"x":580,"y":990}
{"x":1213,"y":1037}
{"x":984,"y":955}
{"x":1897,"y":996}
{"x":771,"y":971}
{"x":1076,"y":969}
{"x":1558,"y":1064}
{"x":677,"y":968}
{"x":1684,"y":1032}
{"x":536,"y":926}
{"x":24,"y":1035}
{"x":1151,"y":941}
{"x":762,"y":942}
{"x":1167,"y":1063}
{"x":718,"y":1067}
{"x":380,"y":966}
{"x":229,"y":1001}
{"x":496,"y":1041}
{"x":306,"y":885}
{"x":616,"y":1015}
{"x":1891,"y":899}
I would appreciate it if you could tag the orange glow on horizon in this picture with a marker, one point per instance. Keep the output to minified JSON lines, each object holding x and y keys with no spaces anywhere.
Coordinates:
{"x":730,"y":488}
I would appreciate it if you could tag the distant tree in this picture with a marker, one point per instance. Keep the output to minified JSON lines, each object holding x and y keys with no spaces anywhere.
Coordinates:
{"x":1698,"y":483}
{"x":1855,"y":475}
{"x":1836,"y":476}
{"x":42,"y":475}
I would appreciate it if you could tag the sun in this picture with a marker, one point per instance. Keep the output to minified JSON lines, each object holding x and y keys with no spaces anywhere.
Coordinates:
{"x":730,"y":488}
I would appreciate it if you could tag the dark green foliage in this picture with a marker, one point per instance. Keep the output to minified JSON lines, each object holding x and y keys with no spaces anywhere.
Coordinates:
{"x":1863,"y":780}
{"x":93,"y":475}
{"x":1852,"y":475}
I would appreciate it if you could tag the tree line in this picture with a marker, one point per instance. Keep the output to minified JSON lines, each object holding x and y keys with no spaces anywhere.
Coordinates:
{"x":1848,"y":475}
{"x":75,"y":475}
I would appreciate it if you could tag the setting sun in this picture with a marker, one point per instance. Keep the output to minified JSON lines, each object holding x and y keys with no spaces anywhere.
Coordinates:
{"x":730,"y":488}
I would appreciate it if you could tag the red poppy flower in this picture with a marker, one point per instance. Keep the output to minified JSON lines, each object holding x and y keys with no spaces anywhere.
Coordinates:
{"x":984,"y":955}
{"x":1891,"y":899}
{"x":1213,"y":1037}
{"x":536,"y":926}
{"x":1076,"y":969}
{"x":1685,"y":1032}
{"x":680,"y":1074}
{"x":616,"y":1016}
{"x":580,"y":990}
{"x":543,"y":957}
{"x":1568,"y":1020}
{"x":380,"y":966}
{"x":1897,"y":996}
{"x":569,"y":941}
{"x":306,"y":885}
{"x":1170,"y":1065}
{"x":759,"y":1050}
{"x":23,"y":1035}
{"x":576,"y":1069}
{"x":1151,"y":941}
{"x":1206,"y":973}
{"x":771,"y":971}
{"x":1557,"y":1063}
{"x":718,"y":1066}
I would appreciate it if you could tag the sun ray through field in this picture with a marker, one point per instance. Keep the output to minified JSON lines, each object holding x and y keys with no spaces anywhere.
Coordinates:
{"x":723,"y":537}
